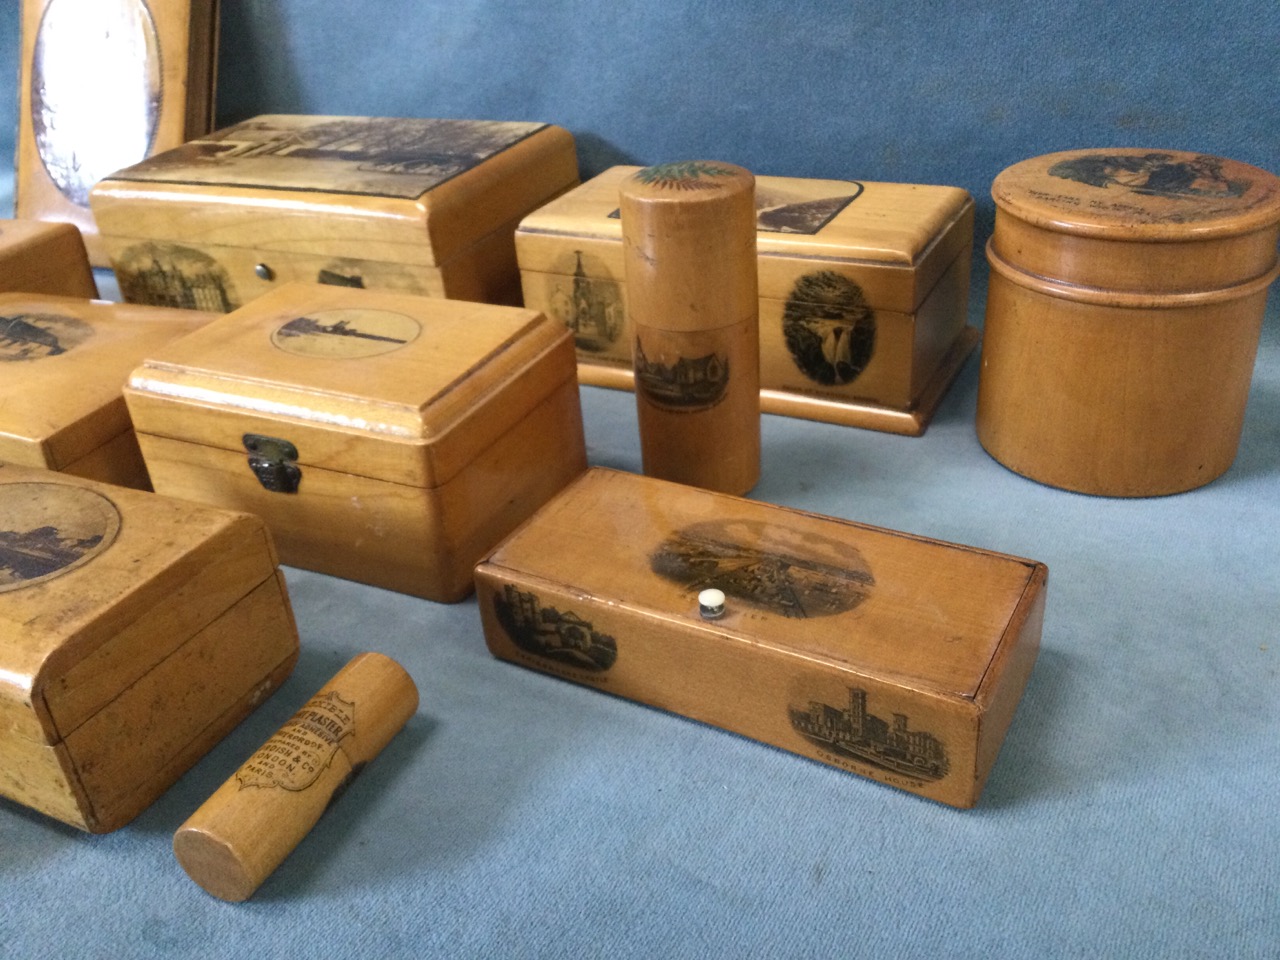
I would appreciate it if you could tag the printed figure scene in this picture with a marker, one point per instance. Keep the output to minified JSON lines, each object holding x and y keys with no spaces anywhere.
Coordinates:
{"x":767,"y":567}
{"x":170,"y":275}
{"x":687,"y":385}
{"x":546,"y":632}
{"x":1153,"y":174}
{"x":34,"y":336}
{"x":48,"y":528}
{"x":829,"y":328}
{"x":346,"y":333}
{"x":590,"y":307}
{"x":851,"y":731}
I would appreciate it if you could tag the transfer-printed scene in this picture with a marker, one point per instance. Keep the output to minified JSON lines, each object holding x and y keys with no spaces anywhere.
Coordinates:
{"x":34,"y":336}
{"x":561,"y":636}
{"x":684,"y":175}
{"x":829,"y":328}
{"x":848,"y":730}
{"x":303,"y":748}
{"x":1153,"y":174}
{"x":769,"y":567}
{"x":797,"y":206}
{"x":588,"y":304}
{"x":358,"y":155}
{"x":685,"y":385}
{"x":85,"y":131}
{"x":346,"y":334}
{"x":171,"y":275}
{"x":48,"y":529}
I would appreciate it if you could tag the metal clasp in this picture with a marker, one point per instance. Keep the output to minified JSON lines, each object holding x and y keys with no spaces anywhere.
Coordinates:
{"x":270,"y":460}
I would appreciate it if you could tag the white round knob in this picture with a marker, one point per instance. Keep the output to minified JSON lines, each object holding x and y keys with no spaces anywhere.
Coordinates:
{"x":711,"y":603}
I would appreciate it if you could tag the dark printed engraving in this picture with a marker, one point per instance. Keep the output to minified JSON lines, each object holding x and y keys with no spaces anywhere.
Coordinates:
{"x":48,"y":529}
{"x":347,"y":334}
{"x":829,"y":328}
{"x":767,"y":566}
{"x":779,"y":210}
{"x":170,"y":275}
{"x":33,"y":336}
{"x":686,"y":175}
{"x":853,"y":732}
{"x":1152,"y":174}
{"x":685,"y":386}
{"x":85,"y":131}
{"x":590,"y":307}
{"x":335,"y":279}
{"x":547,"y":632}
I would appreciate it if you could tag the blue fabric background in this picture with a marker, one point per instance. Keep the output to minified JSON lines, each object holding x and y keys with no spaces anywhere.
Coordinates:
{"x":1132,"y":812}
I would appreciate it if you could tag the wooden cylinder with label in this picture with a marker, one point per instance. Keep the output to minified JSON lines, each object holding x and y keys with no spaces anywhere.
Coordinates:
{"x":254,"y":820}
{"x":689,"y":249}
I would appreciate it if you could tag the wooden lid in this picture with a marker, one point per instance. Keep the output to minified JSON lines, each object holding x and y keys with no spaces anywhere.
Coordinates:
{"x":389,"y":386}
{"x":428,"y":188}
{"x":885,"y":604}
{"x":63,"y":365}
{"x":84,"y":563}
{"x":1130,"y":193}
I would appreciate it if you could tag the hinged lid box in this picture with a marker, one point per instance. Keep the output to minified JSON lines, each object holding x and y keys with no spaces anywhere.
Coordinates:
{"x":417,"y":206}
{"x":135,"y":632}
{"x":37,"y":257}
{"x":63,"y":365}
{"x":385,"y":438}
{"x":864,"y":293}
{"x":896,"y":657}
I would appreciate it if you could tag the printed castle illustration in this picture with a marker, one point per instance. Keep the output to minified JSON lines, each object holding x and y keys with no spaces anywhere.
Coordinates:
{"x":39,"y":552}
{"x":165,"y":285}
{"x":551,"y":633}
{"x":855,"y":733}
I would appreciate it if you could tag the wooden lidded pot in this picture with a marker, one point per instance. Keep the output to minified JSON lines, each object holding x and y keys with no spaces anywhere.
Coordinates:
{"x":1125,"y":305}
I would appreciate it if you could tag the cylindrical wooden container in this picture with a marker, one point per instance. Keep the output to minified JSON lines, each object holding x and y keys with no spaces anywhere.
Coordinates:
{"x":1123,"y":315}
{"x":689,"y":249}
{"x":253,"y":821}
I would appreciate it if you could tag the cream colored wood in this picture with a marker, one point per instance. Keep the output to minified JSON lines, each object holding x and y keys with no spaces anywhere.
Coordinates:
{"x":48,"y":258}
{"x":600,"y":587}
{"x":242,"y":833}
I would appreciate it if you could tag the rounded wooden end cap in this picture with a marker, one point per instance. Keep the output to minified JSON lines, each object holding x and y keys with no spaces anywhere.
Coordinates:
{"x":213,"y":864}
{"x":689,"y":181}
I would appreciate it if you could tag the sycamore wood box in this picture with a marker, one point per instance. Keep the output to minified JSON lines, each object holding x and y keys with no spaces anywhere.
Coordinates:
{"x":37,"y":257}
{"x":105,"y":84}
{"x":1125,"y":306}
{"x":135,"y":632}
{"x":892,"y":656}
{"x":864,"y":293}
{"x":63,"y":366}
{"x":385,"y":438}
{"x":414,"y":206}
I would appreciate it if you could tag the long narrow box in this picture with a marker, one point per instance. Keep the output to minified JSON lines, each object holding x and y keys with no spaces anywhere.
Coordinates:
{"x":893,"y":656}
{"x":135,"y":632}
{"x":864,"y":293}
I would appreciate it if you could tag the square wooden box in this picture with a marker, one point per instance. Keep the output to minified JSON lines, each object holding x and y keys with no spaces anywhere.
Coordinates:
{"x":385,"y":438}
{"x":135,"y":632}
{"x":893,"y":656}
{"x":63,"y":365}
{"x":104,"y":85}
{"x":415,"y":206}
{"x":50,"y":258}
{"x":864,"y":293}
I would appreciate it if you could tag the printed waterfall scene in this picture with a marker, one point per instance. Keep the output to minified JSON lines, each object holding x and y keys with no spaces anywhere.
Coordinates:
{"x":850,"y":731}
{"x":34,"y":336}
{"x":769,"y":567}
{"x":686,"y":384}
{"x":560,"y":636}
{"x":829,"y":328}
{"x":346,"y":334}
{"x":48,"y":529}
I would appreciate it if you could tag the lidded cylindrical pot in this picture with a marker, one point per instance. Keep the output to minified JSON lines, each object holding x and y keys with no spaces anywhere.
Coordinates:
{"x":1123,"y":315}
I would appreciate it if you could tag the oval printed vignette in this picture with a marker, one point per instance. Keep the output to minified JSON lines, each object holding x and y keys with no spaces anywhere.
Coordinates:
{"x":346,"y":334}
{"x":48,"y":529}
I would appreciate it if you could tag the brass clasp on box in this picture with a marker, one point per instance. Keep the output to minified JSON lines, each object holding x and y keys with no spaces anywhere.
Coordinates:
{"x":271,"y":460}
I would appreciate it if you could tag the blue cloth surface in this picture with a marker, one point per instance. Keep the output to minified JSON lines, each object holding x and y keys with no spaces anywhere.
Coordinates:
{"x":1132,"y":811}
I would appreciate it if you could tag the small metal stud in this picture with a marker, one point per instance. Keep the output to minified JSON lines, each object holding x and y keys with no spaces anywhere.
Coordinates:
{"x":711,"y":604}
{"x":264,"y":272}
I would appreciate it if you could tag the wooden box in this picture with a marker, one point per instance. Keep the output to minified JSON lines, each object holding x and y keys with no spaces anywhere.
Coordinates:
{"x":385,"y":438}
{"x":63,"y":366}
{"x":1126,"y":301}
{"x":414,"y":206}
{"x":895,"y":657}
{"x":105,"y":84}
{"x":135,"y":632}
{"x":49,"y":258}
{"x":864,"y":293}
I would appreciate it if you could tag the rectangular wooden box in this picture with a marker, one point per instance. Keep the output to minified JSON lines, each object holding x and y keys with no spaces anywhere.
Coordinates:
{"x":864,"y":293}
{"x":65,"y":361}
{"x":893,"y":656}
{"x":50,"y":258}
{"x":135,"y":632}
{"x":415,"y":206}
{"x":104,"y":85}
{"x":385,"y":438}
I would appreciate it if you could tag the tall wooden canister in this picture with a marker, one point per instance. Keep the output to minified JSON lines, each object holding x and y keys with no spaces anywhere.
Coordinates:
{"x":1123,"y":315}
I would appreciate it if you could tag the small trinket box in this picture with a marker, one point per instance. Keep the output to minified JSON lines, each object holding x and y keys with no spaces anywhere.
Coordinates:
{"x":63,"y":365}
{"x":135,"y":632}
{"x":864,"y":293}
{"x":46,"y":258}
{"x":892,"y":656}
{"x":385,"y":438}
{"x":414,"y":206}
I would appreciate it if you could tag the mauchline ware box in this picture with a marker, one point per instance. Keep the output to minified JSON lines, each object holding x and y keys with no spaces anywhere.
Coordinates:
{"x":864,"y":293}
{"x":38,"y":257}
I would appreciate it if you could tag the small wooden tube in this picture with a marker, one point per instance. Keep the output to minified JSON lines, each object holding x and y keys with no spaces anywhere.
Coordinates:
{"x":689,"y":250}
{"x":238,"y":837}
